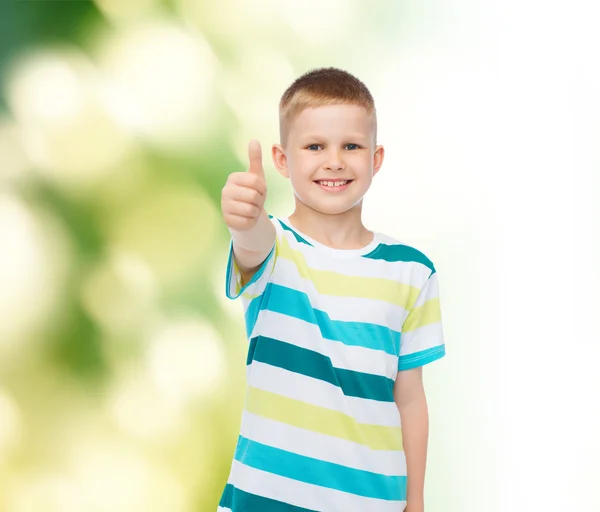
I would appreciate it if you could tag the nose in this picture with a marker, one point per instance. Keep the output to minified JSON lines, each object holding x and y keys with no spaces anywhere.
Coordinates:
{"x":333,"y":160}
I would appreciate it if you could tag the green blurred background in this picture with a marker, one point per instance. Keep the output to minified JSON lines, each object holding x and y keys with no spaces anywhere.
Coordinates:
{"x":122,"y":365}
{"x":121,"y":362}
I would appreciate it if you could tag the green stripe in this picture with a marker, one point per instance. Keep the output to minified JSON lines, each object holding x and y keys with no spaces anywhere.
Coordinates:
{"x":241,"y":501}
{"x":296,"y":235}
{"x":399,"y":252}
{"x":312,"y":364}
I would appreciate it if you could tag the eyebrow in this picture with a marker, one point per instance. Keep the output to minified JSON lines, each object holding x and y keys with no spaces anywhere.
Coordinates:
{"x":322,"y":137}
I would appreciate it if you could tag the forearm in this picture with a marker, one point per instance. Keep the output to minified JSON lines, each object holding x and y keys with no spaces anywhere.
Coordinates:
{"x":252,"y":246}
{"x":415,"y":432}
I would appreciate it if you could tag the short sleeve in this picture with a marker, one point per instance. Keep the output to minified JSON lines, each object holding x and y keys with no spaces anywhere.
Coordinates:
{"x":256,"y":286}
{"x":422,"y":338}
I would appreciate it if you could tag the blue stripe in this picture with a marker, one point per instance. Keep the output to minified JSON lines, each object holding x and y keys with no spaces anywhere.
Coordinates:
{"x":421,"y":358}
{"x":240,"y":501}
{"x":255,"y":306}
{"x":296,"y":235}
{"x":319,"y":472}
{"x":288,"y":301}
{"x":230,"y":274}
{"x":312,"y":364}
{"x":399,"y":252}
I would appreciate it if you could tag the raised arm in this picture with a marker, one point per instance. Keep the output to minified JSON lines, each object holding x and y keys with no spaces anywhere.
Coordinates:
{"x":242,"y":204}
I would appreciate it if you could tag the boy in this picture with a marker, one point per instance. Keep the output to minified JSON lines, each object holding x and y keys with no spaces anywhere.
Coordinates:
{"x":340,"y":321}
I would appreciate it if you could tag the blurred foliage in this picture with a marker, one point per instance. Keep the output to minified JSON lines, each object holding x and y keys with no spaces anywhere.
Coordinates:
{"x":121,"y":363}
{"x":23,"y":24}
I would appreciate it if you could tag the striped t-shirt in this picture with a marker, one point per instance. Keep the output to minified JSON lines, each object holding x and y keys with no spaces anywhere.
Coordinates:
{"x":329,"y":330}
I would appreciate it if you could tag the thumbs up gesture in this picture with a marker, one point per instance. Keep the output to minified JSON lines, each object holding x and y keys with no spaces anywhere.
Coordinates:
{"x":244,"y":194}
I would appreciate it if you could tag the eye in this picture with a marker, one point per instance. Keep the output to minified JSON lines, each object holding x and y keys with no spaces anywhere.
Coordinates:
{"x":352,"y":147}
{"x":313,"y":147}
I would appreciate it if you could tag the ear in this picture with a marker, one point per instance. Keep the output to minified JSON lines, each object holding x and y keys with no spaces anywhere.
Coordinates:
{"x":280,"y":160}
{"x":378,"y":159}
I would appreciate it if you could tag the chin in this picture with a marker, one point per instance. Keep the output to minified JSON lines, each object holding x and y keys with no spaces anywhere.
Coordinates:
{"x":335,"y":206}
{"x":333,"y":209}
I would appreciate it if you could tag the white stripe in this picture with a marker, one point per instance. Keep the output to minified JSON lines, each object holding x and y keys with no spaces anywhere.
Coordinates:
{"x":223,"y":509}
{"x":430,"y":291}
{"x":306,"y":335}
{"x":322,"y":394}
{"x":425,"y":337}
{"x":402,"y":271}
{"x":323,"y":447}
{"x":255,"y":288}
{"x":349,"y":309}
{"x":305,"y":495}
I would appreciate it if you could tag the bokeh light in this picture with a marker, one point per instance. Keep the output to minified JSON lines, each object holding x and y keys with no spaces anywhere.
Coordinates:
{"x":44,"y":491}
{"x":140,"y":409}
{"x":10,"y":427}
{"x":128,"y":12}
{"x":120,"y":293}
{"x":320,"y":30}
{"x":186,"y":360}
{"x":15,"y":168}
{"x":68,"y":130}
{"x":163,"y":73}
{"x":32,"y":271}
{"x":233,"y":21}
{"x":170,"y":228}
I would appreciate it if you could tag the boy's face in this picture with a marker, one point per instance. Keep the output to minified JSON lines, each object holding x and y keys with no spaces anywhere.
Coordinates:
{"x":330,"y":157}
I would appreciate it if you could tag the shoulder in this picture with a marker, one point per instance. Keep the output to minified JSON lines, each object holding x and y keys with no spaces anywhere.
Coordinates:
{"x":277,"y":222}
{"x":282,"y":226}
{"x":396,"y":251}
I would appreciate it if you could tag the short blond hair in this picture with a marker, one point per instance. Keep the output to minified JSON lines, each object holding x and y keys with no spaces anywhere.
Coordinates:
{"x":319,"y":87}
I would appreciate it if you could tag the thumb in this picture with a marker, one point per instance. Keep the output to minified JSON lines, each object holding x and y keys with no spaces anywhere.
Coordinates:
{"x":255,"y":156}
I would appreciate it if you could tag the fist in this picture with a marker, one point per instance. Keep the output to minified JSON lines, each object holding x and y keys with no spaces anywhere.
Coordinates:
{"x":244,"y":194}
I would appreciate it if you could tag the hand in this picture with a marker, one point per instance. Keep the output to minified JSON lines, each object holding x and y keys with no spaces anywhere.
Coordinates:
{"x":244,"y":194}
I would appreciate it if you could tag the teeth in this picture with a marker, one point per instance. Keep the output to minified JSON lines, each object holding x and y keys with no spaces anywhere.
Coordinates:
{"x":333,"y":183}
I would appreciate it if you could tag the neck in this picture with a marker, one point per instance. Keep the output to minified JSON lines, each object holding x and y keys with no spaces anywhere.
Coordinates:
{"x":340,"y":231}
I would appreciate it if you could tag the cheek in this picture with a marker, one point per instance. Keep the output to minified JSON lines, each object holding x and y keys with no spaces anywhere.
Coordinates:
{"x":366,"y":165}
{"x":298,"y":180}
{"x":299,"y":171}
{"x":365,"y":160}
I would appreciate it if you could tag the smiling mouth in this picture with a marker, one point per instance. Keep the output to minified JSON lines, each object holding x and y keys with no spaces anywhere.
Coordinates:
{"x":334,"y":183}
